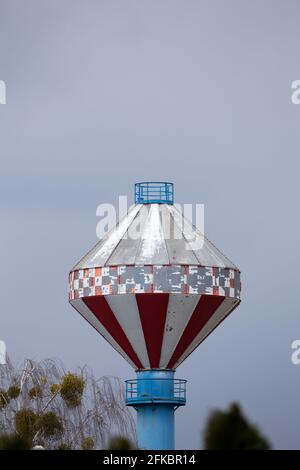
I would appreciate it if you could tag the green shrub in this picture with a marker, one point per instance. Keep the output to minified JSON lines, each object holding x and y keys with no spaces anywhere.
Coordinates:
{"x":54,"y":389}
{"x":13,"y":442}
{"x":64,"y":446}
{"x":87,"y":443}
{"x":231,"y":430}
{"x":13,"y":391}
{"x":35,"y":392}
{"x":50,"y":424}
{"x":71,"y":389}
{"x":26,"y":423}
{"x":119,"y":443}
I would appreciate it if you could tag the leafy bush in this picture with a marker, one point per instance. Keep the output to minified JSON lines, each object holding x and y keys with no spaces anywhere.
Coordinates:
{"x":26,"y":423}
{"x":87,"y":443}
{"x":231,"y":430}
{"x":119,"y":443}
{"x":35,"y":392}
{"x":50,"y":424}
{"x":13,"y":442}
{"x":13,"y":391}
{"x":71,"y":389}
{"x":54,"y":389}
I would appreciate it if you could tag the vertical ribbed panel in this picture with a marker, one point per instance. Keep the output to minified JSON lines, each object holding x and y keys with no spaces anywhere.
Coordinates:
{"x":105,"y":247}
{"x":180,"y":310}
{"x":226,"y":307}
{"x":155,"y":330}
{"x":88,"y":315}
{"x":204,"y":310}
{"x":179,"y":251}
{"x":126,"y":312}
{"x":152,"y":248}
{"x":126,"y":250}
{"x":100,"y":308}
{"x":153,"y":312}
{"x":208,"y":254}
{"x":164,"y":237}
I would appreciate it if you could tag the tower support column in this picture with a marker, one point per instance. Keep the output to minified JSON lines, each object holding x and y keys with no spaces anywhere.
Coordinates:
{"x":155,"y":395}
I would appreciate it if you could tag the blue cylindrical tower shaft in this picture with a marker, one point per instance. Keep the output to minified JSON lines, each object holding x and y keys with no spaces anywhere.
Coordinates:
{"x":155,"y":427}
{"x":155,"y":395}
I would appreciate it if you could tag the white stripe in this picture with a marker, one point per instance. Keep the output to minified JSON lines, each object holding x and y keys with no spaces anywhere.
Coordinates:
{"x":207,"y":253}
{"x":88,"y":315}
{"x":126,"y":311}
{"x":180,"y":310}
{"x":100,"y":253}
{"x":152,"y":249}
{"x":221,"y":312}
{"x":107,"y":248}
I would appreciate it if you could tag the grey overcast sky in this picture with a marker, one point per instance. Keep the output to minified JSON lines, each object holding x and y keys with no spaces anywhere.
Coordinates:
{"x":105,"y":93}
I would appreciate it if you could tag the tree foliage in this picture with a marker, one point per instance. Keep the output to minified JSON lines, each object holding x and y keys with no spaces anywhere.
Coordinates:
{"x":26,"y":423}
{"x":42,"y":404}
{"x":119,"y":443}
{"x":71,"y":389}
{"x":231,"y":430}
{"x":13,"y":442}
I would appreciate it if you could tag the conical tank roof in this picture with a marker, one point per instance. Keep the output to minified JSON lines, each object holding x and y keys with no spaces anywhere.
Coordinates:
{"x":164,"y":236}
{"x":154,"y":287}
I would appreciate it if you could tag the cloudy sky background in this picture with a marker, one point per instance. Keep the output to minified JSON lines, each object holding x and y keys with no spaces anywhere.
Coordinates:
{"x":102,"y":94}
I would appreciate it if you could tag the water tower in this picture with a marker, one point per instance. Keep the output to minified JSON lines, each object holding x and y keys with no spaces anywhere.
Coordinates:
{"x":154,"y":293}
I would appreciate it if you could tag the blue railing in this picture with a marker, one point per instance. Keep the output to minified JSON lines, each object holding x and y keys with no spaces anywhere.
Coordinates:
{"x":153,"y":390}
{"x":154,"y":192}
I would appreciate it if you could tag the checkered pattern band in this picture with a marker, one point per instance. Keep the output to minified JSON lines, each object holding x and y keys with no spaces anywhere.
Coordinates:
{"x":154,"y":279}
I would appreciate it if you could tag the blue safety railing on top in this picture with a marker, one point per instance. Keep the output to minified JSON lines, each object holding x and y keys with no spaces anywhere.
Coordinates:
{"x":154,"y":192}
{"x":140,"y":391}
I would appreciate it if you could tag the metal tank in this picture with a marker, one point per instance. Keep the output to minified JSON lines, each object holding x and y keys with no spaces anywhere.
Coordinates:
{"x":154,"y":287}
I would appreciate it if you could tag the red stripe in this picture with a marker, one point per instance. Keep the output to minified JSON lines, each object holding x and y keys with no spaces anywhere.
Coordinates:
{"x":100,"y":308}
{"x":213,"y":329}
{"x":153,"y":312}
{"x":204,"y":310}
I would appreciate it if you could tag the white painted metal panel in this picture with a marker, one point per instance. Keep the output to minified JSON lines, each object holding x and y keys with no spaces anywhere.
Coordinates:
{"x":126,"y":311}
{"x":224,"y":309}
{"x":179,"y":251}
{"x":207,"y":254}
{"x":126,"y":251}
{"x":152,"y":249}
{"x":180,"y":310}
{"x":85,"y":312}
{"x":98,"y":256}
{"x":164,"y":238}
